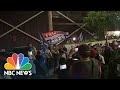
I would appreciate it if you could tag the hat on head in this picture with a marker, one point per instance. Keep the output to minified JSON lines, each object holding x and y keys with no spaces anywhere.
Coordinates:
{"x":93,"y":52}
{"x":84,"y":48}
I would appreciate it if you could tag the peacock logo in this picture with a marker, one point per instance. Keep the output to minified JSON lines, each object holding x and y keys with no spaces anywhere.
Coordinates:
{"x":17,"y":62}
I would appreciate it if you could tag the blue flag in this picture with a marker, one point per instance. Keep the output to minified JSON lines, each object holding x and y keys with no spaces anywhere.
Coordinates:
{"x":43,"y":49}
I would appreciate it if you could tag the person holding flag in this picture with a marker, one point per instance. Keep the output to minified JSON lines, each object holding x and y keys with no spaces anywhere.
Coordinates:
{"x":43,"y":56}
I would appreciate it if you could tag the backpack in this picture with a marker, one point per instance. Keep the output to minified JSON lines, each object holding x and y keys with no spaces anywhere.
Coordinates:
{"x":77,"y":72}
{"x":99,"y":67}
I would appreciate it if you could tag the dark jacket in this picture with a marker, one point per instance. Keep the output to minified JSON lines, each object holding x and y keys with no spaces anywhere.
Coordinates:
{"x":85,"y":70}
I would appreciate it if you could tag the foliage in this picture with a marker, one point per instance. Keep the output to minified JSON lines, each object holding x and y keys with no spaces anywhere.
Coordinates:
{"x":100,"y":21}
{"x":88,"y":40}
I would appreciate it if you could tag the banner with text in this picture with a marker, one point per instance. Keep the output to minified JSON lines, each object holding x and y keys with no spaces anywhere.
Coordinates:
{"x":53,"y":37}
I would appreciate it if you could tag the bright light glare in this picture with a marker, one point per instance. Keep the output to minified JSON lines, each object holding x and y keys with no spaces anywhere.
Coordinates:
{"x":74,"y":38}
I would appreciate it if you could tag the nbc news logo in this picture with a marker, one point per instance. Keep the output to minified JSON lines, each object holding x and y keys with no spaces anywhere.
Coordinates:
{"x":17,"y":65}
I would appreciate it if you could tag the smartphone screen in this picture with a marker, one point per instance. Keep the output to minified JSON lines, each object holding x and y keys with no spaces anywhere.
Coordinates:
{"x":76,"y":49}
{"x":118,"y":46}
{"x":75,"y":59}
{"x":63,"y":67}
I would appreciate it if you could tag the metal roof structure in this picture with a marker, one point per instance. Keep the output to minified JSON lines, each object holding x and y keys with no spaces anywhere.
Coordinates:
{"x":20,"y":27}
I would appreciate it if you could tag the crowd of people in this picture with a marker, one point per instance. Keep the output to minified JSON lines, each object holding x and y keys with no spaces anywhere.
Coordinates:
{"x":86,"y":61}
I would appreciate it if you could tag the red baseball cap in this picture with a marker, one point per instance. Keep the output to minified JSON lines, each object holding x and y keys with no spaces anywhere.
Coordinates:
{"x":93,"y":52}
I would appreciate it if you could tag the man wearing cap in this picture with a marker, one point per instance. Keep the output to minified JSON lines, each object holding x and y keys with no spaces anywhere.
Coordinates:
{"x":85,"y":68}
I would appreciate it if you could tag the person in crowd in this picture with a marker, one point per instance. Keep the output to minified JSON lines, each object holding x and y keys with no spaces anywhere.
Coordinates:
{"x":49,"y":57}
{"x":71,"y":52}
{"x":90,"y":45}
{"x":86,"y":68}
{"x":3,"y":58}
{"x":63,"y":52}
{"x":103,"y":49}
{"x":55,"y":52}
{"x":33,"y":49}
{"x":99,"y":53}
{"x":108,"y":57}
{"x":62,"y":71}
{"x":40,"y":70}
{"x":114,"y":61}
{"x":72,"y":56}
{"x":33,"y":69}
{"x":93,"y":53}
